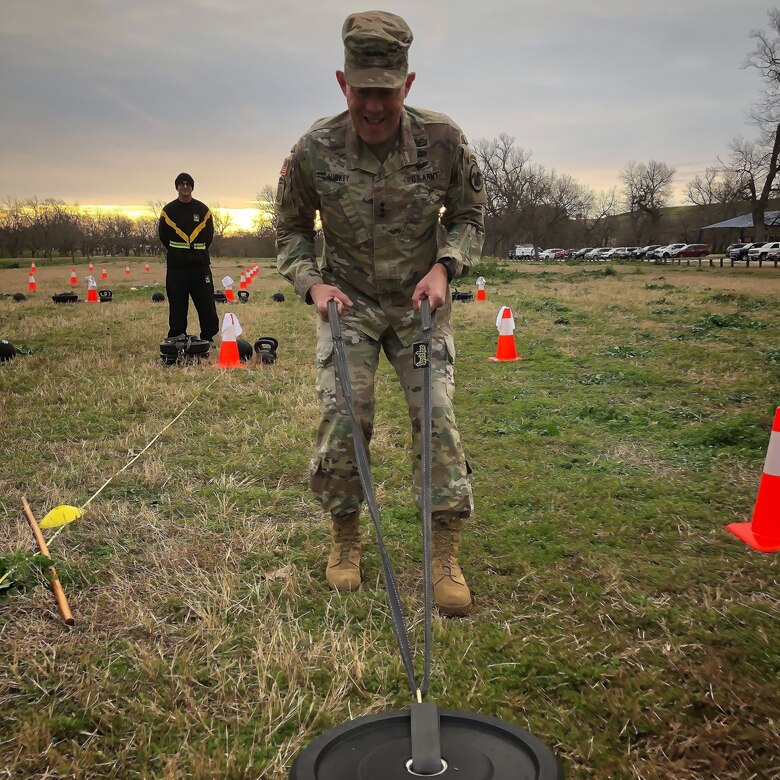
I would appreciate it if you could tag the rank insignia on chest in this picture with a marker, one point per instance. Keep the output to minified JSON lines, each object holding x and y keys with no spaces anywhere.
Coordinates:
{"x":419,"y":354}
{"x":196,"y":217}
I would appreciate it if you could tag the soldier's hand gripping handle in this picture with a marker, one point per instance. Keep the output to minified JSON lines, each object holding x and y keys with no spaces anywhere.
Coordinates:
{"x":322,"y":294}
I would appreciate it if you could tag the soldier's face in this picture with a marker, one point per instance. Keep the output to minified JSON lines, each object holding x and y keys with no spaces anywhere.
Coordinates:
{"x":375,"y":112}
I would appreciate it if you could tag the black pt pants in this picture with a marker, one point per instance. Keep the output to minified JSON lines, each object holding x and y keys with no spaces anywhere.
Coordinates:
{"x":183,"y":282}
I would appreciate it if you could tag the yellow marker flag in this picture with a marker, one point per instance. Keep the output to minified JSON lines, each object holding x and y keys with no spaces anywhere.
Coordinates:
{"x":60,"y":515}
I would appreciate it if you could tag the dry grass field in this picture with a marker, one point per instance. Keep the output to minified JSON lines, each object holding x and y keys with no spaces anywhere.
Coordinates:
{"x":615,"y":617}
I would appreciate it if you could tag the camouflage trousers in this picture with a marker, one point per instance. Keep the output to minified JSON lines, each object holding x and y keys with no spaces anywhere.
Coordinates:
{"x":334,"y":473}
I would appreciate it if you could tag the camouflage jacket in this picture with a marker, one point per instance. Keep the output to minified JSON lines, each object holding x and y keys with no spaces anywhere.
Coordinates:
{"x":383,"y":223}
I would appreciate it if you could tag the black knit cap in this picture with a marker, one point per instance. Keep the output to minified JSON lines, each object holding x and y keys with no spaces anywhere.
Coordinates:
{"x":182,"y":177}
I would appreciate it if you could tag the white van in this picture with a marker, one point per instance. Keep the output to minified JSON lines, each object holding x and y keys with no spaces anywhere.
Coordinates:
{"x":525,"y":252}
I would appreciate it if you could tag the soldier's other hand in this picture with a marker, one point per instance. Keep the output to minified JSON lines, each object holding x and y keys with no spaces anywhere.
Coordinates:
{"x":432,"y":286}
{"x":322,"y":293}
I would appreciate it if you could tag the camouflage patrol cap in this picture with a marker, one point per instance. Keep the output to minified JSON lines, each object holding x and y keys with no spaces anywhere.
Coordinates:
{"x":376,"y":46}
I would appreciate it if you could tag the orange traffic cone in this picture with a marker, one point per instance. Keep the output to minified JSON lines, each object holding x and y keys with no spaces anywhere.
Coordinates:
{"x":481,"y":295}
{"x":227,"y":283}
{"x":242,"y":282}
{"x":762,"y":533}
{"x":104,"y":274}
{"x":73,"y":278}
{"x":92,"y":294}
{"x":228,"y":350}
{"x":32,"y":267}
{"x":505,"y":322}
{"x":91,"y":267}
{"x":31,"y":286}
{"x":127,"y":269}
{"x":146,"y":268}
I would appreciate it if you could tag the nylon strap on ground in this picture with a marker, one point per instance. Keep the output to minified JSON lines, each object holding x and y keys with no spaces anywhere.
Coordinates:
{"x":364,"y":470}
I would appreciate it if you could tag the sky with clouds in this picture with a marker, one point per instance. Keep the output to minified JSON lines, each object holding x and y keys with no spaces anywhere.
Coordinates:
{"x":105,"y":101}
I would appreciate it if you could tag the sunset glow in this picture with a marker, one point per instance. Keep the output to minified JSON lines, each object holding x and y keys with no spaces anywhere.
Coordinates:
{"x":239,"y":219}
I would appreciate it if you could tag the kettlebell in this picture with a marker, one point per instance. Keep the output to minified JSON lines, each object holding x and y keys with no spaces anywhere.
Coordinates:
{"x":265,"y":349}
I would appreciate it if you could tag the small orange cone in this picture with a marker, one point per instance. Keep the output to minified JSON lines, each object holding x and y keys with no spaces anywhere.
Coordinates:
{"x":32,"y":267}
{"x":73,"y":278}
{"x":31,"y":285}
{"x":228,"y":350}
{"x":104,"y":273}
{"x":91,"y":267}
{"x":762,"y":533}
{"x":127,"y":269}
{"x":146,"y":268}
{"x":92,"y":294}
{"x":481,"y":295}
{"x":242,"y":282}
{"x":227,"y":283}
{"x":505,"y":322}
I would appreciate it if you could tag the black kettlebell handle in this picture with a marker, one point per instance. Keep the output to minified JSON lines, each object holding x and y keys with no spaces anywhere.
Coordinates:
{"x":266,"y":344}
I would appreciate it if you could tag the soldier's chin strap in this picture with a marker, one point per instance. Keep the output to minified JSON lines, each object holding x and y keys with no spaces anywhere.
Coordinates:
{"x":426,"y":751}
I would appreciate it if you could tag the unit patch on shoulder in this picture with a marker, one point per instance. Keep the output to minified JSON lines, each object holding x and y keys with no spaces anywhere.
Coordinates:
{"x":475,"y":177}
{"x":196,"y":217}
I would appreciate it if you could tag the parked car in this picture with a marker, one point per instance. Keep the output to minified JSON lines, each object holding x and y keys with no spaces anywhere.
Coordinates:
{"x":732,"y":247}
{"x":645,"y":251}
{"x":582,"y":252}
{"x":665,"y":252}
{"x":766,"y":250}
{"x":617,"y":251}
{"x":692,"y":250}
{"x":552,"y":254}
{"x":594,"y":253}
{"x":741,"y":252}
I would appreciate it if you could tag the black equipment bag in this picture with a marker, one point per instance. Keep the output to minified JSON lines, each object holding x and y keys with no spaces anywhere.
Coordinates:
{"x":65,"y":297}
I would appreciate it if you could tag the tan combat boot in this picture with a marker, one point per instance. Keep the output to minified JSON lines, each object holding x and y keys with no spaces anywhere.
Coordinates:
{"x":343,"y":571}
{"x":450,"y":592}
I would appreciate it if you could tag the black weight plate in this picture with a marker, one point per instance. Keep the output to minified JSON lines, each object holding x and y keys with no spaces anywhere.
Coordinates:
{"x":477,"y":747}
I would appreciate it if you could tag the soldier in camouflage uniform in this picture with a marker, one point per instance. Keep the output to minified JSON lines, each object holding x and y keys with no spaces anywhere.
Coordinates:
{"x":379,"y":175}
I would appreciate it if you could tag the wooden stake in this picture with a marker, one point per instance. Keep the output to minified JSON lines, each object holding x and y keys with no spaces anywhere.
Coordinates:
{"x":56,"y":586}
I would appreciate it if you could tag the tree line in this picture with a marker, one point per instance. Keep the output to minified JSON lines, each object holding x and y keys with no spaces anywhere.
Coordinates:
{"x":44,"y":228}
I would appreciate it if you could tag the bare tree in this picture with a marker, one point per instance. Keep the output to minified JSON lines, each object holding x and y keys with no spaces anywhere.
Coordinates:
{"x":755,"y":164}
{"x":505,"y":170}
{"x":267,"y":220}
{"x":594,"y":220}
{"x":222,"y":223}
{"x":647,"y":188}
{"x":13,"y":223}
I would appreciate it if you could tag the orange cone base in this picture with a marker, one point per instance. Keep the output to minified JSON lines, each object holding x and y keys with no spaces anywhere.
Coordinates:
{"x":230,"y":296}
{"x":505,"y":359}
{"x":228,"y":356}
{"x":745,"y":532}
{"x":506,"y":350}
{"x":92,"y":296}
{"x":481,"y":296}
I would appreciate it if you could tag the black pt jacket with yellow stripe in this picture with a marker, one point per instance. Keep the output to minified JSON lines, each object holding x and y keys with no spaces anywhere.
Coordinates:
{"x":187,"y":230}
